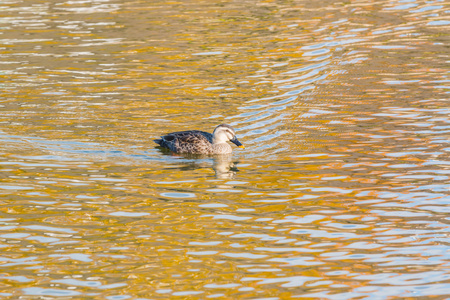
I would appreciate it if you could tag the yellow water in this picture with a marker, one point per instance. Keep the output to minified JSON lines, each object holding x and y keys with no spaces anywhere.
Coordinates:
{"x":342,"y":191}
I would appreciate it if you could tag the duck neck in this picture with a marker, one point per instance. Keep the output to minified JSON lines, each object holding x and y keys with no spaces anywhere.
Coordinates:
{"x":221,"y":148}
{"x":216,"y":141}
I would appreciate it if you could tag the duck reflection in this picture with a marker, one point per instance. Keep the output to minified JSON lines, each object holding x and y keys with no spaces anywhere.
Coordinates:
{"x":223,"y":165}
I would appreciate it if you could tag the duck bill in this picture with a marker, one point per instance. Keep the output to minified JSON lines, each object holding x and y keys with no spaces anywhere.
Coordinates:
{"x":237,"y":143}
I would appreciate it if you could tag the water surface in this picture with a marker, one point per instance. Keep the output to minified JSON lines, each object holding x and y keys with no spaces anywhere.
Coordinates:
{"x":342,"y":191}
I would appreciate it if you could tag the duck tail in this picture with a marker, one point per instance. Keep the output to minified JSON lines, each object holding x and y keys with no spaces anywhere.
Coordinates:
{"x":158,"y":141}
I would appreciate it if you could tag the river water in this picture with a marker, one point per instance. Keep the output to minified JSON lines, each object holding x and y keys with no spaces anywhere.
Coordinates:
{"x":342,"y":191}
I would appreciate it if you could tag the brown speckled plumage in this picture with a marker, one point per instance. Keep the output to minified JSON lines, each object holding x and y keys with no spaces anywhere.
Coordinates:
{"x":200,"y":142}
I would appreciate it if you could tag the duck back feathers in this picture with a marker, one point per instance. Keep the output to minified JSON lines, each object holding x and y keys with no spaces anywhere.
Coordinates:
{"x":190,"y":141}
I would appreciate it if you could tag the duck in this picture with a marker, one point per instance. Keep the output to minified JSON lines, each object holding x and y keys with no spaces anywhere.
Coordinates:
{"x":201,"y":142}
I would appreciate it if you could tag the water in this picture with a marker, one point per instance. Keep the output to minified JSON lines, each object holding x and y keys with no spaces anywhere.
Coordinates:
{"x":342,"y":191}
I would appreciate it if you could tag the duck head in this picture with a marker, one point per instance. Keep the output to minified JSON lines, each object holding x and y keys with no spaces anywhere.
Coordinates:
{"x":224,"y":133}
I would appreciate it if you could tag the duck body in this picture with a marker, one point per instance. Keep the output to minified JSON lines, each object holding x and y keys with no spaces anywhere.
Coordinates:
{"x":200,"y":142}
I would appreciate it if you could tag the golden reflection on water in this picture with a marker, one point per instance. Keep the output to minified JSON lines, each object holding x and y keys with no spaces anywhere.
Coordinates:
{"x":342,"y":191}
